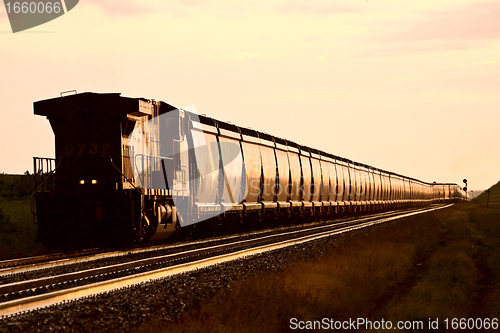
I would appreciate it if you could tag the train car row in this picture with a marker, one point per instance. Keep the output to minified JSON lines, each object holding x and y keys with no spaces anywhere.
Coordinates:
{"x":134,"y":169}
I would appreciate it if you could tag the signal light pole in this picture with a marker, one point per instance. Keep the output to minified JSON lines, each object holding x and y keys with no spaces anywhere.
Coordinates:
{"x":465,"y":188}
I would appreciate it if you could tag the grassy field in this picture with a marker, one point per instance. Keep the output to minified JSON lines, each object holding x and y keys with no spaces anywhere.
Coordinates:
{"x":17,"y":230}
{"x":422,"y":270}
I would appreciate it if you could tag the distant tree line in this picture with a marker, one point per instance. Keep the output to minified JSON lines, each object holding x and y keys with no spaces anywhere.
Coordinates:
{"x":16,"y":186}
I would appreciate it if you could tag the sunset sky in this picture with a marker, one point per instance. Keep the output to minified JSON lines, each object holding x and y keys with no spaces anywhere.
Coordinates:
{"x":407,"y":86}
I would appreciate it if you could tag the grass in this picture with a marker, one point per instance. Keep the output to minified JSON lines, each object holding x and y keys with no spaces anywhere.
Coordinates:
{"x":444,"y":264}
{"x":17,"y":230}
{"x":494,"y":196}
{"x":463,"y":276}
{"x":444,"y":290}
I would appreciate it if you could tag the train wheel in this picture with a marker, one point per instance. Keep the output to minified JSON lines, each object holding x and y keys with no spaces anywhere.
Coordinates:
{"x":144,"y":229}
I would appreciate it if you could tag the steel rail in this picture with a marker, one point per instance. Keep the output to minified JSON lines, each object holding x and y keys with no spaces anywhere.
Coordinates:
{"x":52,"y":280}
{"x":25,"y":265}
{"x":115,"y":254}
{"x":38,"y":301}
{"x":6,"y":264}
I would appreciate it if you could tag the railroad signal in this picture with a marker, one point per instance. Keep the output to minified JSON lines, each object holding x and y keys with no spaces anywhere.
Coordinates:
{"x":465,"y":188}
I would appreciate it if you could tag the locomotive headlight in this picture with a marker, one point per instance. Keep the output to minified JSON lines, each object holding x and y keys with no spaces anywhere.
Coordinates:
{"x":94,"y":181}
{"x":82,"y":182}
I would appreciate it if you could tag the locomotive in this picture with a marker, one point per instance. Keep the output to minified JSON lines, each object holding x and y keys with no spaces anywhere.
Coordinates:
{"x":131,"y":169}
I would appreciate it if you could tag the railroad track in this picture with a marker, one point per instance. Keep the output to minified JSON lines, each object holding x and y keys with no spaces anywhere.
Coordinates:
{"x":6,"y":264}
{"x":36,"y":264}
{"x":22,"y":291}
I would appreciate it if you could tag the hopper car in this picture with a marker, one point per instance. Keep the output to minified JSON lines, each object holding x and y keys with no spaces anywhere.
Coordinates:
{"x":132,"y":169}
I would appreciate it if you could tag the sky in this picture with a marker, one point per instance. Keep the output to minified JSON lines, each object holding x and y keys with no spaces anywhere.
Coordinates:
{"x":406,"y":86}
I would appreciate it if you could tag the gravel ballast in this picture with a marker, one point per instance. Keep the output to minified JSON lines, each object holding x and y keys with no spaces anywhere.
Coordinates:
{"x":125,"y":310}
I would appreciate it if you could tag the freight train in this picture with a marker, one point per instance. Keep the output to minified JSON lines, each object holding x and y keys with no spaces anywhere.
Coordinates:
{"x":131,"y":169}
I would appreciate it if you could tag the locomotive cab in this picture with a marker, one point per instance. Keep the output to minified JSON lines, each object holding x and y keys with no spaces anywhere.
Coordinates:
{"x":93,"y":199}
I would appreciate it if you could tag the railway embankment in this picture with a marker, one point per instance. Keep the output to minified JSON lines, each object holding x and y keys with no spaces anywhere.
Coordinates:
{"x":429,"y":270}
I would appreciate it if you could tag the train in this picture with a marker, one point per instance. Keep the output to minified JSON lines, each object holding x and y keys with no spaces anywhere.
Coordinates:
{"x":130,"y":170}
